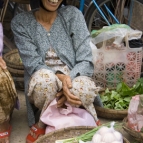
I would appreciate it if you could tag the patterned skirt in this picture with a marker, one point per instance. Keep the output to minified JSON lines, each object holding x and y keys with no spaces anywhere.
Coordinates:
{"x":8,"y":95}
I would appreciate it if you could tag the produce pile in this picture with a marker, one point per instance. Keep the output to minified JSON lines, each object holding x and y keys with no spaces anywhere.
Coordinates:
{"x":119,"y":98}
{"x":101,"y":134}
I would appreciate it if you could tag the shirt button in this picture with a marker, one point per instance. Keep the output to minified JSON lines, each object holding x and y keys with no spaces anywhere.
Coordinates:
{"x":48,"y":34}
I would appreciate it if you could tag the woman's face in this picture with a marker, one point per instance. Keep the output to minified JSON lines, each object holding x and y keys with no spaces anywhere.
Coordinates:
{"x":51,"y":5}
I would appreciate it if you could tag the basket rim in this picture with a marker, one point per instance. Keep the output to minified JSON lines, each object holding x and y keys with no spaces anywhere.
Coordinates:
{"x":11,"y":64}
{"x":21,"y":1}
{"x":68,"y":129}
{"x":111,"y":110}
{"x":16,"y":71}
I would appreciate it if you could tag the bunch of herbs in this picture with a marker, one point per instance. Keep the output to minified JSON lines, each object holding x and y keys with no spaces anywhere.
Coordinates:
{"x":119,"y":98}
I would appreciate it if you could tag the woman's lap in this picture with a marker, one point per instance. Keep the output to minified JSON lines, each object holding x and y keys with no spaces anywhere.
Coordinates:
{"x":44,"y":86}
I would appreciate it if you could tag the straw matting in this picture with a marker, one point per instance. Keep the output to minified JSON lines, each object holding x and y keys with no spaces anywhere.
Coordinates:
{"x":136,"y":135}
{"x":66,"y":133}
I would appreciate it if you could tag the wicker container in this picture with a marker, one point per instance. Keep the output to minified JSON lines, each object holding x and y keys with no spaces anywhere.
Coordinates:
{"x":111,"y":113}
{"x":19,"y":83}
{"x":16,"y":72}
{"x":136,"y":135}
{"x":21,"y":1}
{"x":13,"y":60}
{"x":66,"y":133}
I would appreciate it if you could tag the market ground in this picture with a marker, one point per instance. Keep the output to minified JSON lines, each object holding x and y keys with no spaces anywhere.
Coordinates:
{"x":20,"y":127}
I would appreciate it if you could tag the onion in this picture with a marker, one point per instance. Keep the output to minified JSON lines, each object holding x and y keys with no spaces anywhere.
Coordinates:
{"x":118,"y":136}
{"x":116,"y":142}
{"x":108,"y":137}
{"x":103,"y":130}
{"x":96,"y":138}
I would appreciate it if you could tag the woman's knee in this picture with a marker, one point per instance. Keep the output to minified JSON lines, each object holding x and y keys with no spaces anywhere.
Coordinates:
{"x":43,"y":86}
{"x":84,"y":87}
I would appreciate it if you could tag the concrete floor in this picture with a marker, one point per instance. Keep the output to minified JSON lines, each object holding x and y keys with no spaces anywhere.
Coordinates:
{"x":19,"y":123}
{"x":20,"y":127}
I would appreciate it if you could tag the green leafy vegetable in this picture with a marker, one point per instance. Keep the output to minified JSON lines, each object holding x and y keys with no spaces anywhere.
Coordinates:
{"x":119,"y":98}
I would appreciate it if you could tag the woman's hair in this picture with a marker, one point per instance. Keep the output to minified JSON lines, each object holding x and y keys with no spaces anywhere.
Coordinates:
{"x":35,"y":4}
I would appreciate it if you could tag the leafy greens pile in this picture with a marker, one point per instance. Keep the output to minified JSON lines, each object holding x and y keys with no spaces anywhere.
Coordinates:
{"x":119,"y":98}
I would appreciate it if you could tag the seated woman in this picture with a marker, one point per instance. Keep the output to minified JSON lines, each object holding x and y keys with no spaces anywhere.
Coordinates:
{"x":54,"y":45}
{"x":8,"y":96}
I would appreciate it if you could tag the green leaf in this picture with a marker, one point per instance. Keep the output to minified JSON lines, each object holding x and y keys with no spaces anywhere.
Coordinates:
{"x":119,"y":87}
{"x":104,"y":98}
{"x":127,"y":99}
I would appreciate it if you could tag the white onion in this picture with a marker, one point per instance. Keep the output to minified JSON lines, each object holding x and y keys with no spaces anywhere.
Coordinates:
{"x":118,"y":136}
{"x":116,"y":142}
{"x":96,"y":138}
{"x":108,"y":137}
{"x":103,"y":130}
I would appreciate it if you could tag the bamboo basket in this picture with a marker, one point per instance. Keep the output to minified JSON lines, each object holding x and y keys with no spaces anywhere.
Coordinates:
{"x":13,"y":60}
{"x":19,"y":83}
{"x":136,"y":135}
{"x":16,"y":72}
{"x":21,"y":1}
{"x":110,"y":113}
{"x":66,"y":133}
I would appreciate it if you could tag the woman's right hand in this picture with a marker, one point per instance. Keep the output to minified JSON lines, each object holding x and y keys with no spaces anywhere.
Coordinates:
{"x":67,"y":85}
{"x":2,"y":63}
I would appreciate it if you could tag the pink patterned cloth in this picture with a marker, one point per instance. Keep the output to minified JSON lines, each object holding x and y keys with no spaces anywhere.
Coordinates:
{"x":1,"y":39}
{"x":57,"y":118}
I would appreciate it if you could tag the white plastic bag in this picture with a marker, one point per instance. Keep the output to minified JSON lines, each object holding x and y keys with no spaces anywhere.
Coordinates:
{"x":115,"y":63}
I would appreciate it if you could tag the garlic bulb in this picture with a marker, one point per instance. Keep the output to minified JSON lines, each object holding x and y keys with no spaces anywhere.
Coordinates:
{"x":116,"y":142}
{"x":103,"y":130}
{"x":96,"y":138}
{"x":108,"y":137}
{"x":118,"y":136}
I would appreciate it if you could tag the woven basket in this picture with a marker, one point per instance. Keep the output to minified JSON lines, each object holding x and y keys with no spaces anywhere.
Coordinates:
{"x":111,"y":113}
{"x":12,"y":59}
{"x":136,"y":135}
{"x":16,"y":72}
{"x":19,"y":83}
{"x":66,"y":133}
{"x":21,"y":1}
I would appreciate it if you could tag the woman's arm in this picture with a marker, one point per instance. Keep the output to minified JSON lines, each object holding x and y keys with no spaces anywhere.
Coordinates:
{"x":32,"y":61}
{"x":81,"y":42}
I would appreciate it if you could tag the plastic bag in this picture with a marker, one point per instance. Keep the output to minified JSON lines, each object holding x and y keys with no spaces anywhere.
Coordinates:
{"x":116,"y":62}
{"x":114,"y":34}
{"x":135,"y":119}
{"x":57,"y":118}
{"x":140,"y":106}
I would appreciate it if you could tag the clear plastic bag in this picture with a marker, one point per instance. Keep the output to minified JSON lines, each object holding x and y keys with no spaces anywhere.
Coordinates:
{"x":135,"y":119}
{"x":115,"y":62}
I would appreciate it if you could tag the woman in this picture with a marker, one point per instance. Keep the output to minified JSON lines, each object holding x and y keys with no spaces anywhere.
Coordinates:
{"x":54,"y":45}
{"x":8,"y":96}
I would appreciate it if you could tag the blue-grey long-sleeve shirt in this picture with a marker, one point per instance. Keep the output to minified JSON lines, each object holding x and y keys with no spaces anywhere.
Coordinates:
{"x":68,"y":36}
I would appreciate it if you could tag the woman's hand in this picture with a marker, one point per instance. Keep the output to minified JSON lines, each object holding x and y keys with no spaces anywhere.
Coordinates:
{"x":67,"y":85}
{"x":2,"y":63}
{"x":61,"y":98}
